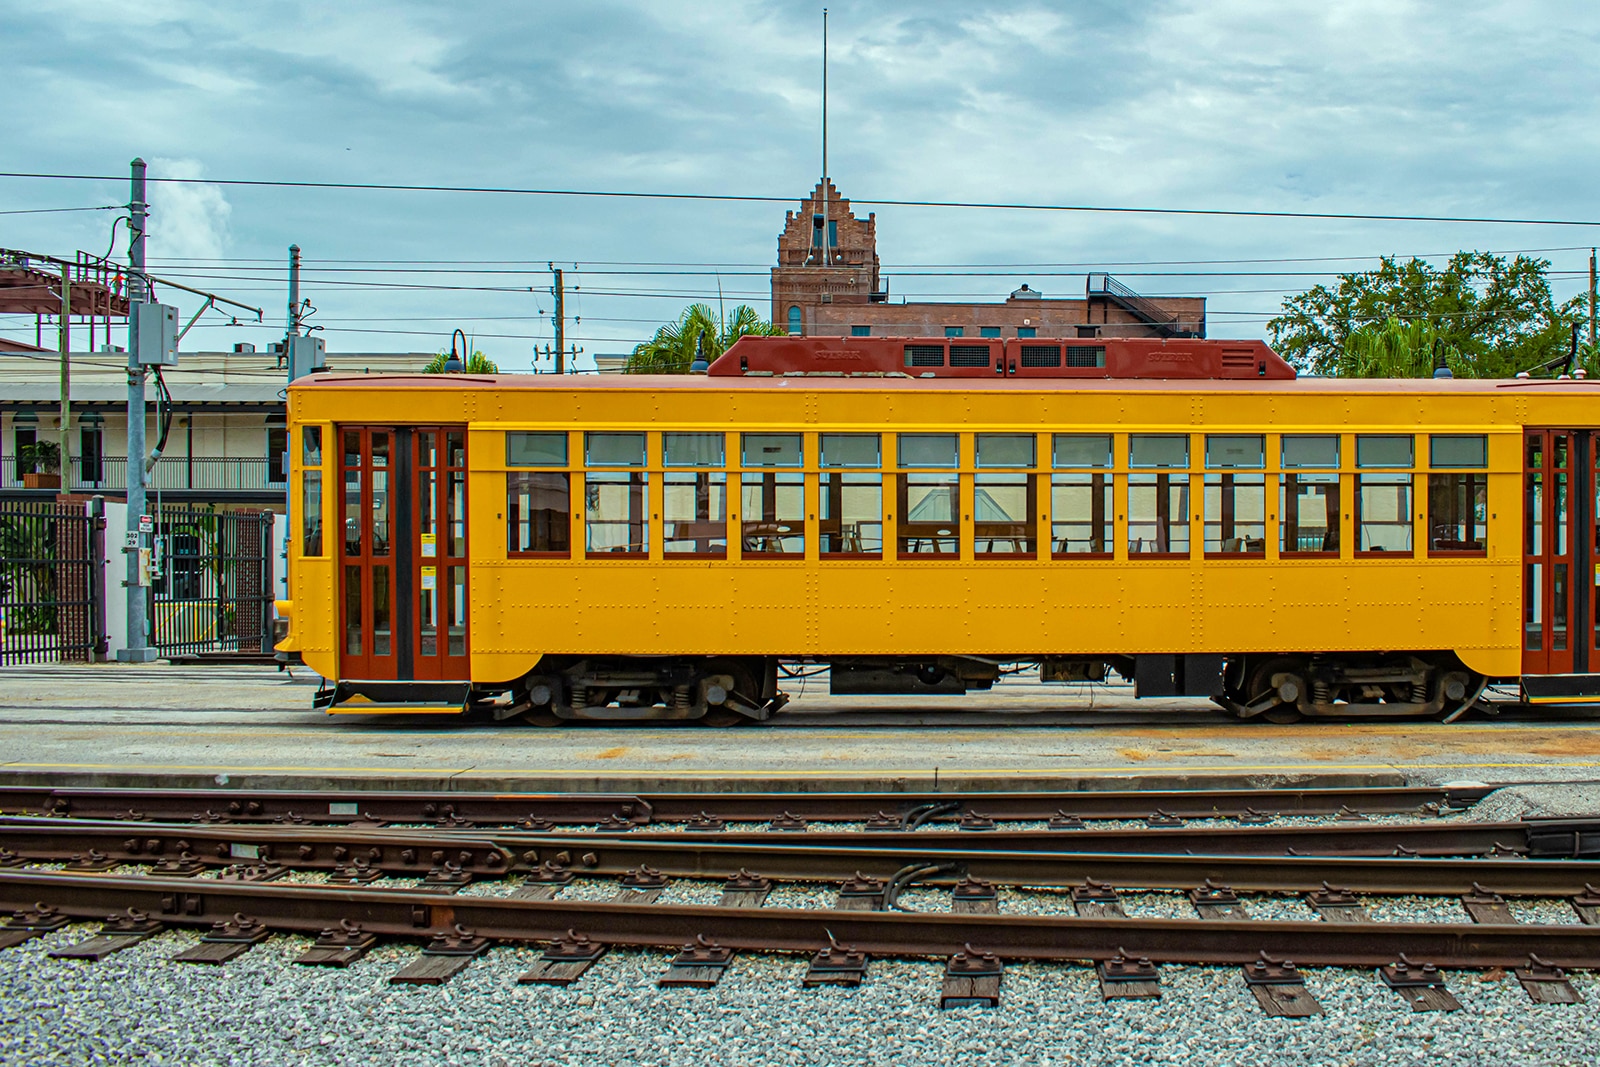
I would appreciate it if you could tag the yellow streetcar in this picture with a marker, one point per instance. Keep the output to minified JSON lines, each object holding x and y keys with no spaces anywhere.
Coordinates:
{"x":920,"y":514}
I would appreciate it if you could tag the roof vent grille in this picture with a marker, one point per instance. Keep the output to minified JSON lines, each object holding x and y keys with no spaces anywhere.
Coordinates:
{"x":1041,"y":355}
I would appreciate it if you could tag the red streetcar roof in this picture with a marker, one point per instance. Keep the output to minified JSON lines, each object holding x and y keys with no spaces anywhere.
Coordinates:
{"x":1036,"y":358}
{"x":698,"y":382}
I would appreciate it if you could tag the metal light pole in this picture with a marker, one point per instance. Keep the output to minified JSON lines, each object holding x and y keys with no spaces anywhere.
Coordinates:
{"x":65,"y":339}
{"x":137,"y":545}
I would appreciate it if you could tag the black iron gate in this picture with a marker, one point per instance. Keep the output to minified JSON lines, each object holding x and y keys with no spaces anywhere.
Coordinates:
{"x":52,"y":581}
{"x":212,"y":582}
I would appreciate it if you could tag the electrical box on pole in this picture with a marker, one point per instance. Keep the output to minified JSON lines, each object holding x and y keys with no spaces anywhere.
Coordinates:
{"x":305,"y":355}
{"x":154,"y":329}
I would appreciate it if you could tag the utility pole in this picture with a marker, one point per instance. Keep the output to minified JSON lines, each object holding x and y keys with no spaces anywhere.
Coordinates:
{"x":294,"y":298}
{"x":1592,"y":353}
{"x":561,"y":324}
{"x":66,"y":376}
{"x":137,"y":546}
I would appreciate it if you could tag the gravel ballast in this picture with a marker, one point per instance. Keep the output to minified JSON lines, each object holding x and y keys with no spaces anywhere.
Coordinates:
{"x":137,"y":1006}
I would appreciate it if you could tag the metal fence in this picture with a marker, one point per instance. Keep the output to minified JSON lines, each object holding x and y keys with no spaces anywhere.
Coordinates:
{"x":92,"y":474}
{"x":52,"y":582}
{"x":213,"y":586}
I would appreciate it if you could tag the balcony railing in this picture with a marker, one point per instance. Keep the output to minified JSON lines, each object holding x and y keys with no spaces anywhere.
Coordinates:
{"x":110,"y":474}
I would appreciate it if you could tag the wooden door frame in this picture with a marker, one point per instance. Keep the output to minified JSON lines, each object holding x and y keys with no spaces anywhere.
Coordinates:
{"x":1580,"y":654}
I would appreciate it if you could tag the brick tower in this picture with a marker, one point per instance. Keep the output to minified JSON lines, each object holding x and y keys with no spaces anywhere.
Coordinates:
{"x":805,"y":279}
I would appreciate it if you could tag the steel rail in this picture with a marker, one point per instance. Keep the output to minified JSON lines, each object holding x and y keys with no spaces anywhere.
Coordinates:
{"x":1574,"y":838}
{"x":1567,"y":838}
{"x":410,"y":914}
{"x":410,"y":853}
{"x":244,"y":804}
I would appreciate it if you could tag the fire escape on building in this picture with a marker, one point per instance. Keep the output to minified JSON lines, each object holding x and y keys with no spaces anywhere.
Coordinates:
{"x":1102,"y":287}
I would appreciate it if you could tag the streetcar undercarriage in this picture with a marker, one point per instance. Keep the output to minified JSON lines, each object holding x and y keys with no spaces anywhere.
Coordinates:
{"x":1277,"y":687}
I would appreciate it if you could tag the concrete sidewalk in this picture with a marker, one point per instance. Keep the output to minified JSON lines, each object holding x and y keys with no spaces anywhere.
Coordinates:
{"x":204,"y":726}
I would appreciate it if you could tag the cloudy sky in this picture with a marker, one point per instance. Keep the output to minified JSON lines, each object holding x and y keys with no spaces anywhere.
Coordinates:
{"x":1462,"y":108}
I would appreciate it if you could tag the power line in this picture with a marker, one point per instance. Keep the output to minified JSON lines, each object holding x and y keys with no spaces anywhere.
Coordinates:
{"x":585,"y":266}
{"x":56,"y":210}
{"x":1346,"y":216}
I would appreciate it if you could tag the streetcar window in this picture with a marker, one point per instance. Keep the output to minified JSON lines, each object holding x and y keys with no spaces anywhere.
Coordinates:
{"x":1005,"y":449}
{"x":772,"y":450}
{"x":928,"y":450}
{"x":1081,"y":450}
{"x":1158,"y":514}
{"x":852,"y":514}
{"x":311,"y":513}
{"x":1309,"y":504}
{"x":1004,"y":514}
{"x":1311,"y":450}
{"x":311,"y":491}
{"x":1235,"y":513}
{"x":929,"y":513}
{"x":693,"y":449}
{"x":536,"y":449}
{"x":695,"y":511}
{"x":614,"y":449}
{"x":1383,"y":512}
{"x":1458,"y":450}
{"x":1373,"y":450}
{"x":1247,"y":451}
{"x":1158,"y":450}
{"x":614,"y":514}
{"x":772,"y":513}
{"x":851,"y":450}
{"x":1458,"y":512}
{"x":1081,"y":513}
{"x":538,"y":512}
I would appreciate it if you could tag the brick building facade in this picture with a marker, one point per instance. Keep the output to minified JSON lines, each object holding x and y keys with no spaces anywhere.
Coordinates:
{"x":841,"y":293}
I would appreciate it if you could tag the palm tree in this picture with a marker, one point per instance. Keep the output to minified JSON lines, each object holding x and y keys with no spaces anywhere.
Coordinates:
{"x":477,"y":363}
{"x":697,"y":332}
{"x":1396,"y":349}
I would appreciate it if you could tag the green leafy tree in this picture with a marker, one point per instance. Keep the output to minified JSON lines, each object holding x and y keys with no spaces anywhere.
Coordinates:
{"x":1482,"y":315}
{"x":696,"y":332}
{"x":477,"y":363}
{"x":1395,"y":349}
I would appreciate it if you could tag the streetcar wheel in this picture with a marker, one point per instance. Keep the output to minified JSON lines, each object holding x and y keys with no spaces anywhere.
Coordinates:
{"x":541,"y":716}
{"x":1260,"y":685}
{"x":721,"y":718}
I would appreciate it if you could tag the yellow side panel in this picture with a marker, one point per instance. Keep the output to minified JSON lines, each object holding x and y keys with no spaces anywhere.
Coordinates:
{"x":522,"y":609}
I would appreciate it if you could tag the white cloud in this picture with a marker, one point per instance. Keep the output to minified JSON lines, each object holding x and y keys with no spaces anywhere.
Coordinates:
{"x":186,"y":221}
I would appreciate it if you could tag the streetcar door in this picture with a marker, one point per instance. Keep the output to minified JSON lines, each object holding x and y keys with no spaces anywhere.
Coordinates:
{"x":403,"y":553}
{"x":1558,"y":551}
{"x":438,"y":499}
{"x":366,"y":554}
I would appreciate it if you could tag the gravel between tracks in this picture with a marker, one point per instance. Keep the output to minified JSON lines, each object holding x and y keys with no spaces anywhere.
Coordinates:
{"x":260,"y":1009}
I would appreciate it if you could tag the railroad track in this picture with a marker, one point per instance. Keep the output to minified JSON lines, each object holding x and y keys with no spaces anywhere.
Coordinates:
{"x":1128,"y":953}
{"x":1524,"y":858}
{"x":581,"y":891}
{"x":909,"y":810}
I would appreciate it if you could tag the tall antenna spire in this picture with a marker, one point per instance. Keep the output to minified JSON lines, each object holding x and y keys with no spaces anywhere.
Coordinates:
{"x":827,"y":253}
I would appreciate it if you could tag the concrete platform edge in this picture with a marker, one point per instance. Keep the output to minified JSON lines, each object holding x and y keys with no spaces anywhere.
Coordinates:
{"x":578,"y":782}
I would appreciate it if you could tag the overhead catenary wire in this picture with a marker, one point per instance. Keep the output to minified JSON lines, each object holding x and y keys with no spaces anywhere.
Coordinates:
{"x":59,"y":210}
{"x":636,"y":194}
